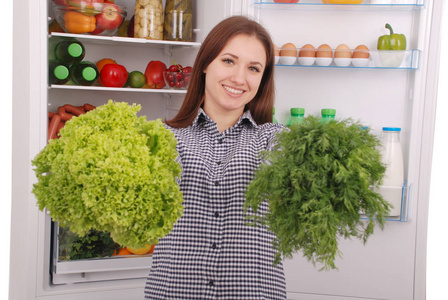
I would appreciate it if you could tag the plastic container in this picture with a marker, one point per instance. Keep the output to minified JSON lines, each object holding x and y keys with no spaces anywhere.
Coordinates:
{"x":148,"y":19}
{"x":58,"y":73}
{"x":178,"y":22}
{"x":296,"y":116}
{"x":68,"y":51}
{"x":84,"y":73}
{"x":328,"y":114}
{"x":392,"y":157}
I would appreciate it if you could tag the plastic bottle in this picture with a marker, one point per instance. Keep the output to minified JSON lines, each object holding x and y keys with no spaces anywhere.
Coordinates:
{"x":84,"y":73}
{"x":68,"y":51}
{"x":296,"y":116}
{"x":58,"y":73}
{"x":274,"y":120}
{"x":328,"y":114}
{"x":392,"y":156}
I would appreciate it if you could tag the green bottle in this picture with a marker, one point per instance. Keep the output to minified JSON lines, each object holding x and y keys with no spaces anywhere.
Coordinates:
{"x":328,"y":114}
{"x":296,"y":116}
{"x":69,"y":51}
{"x":274,"y":120}
{"x":84,"y":73}
{"x":58,"y":73}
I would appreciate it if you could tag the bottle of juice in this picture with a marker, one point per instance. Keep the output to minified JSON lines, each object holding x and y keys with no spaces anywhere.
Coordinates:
{"x":328,"y":114}
{"x":58,"y":73}
{"x":392,"y":157}
{"x":84,"y":73}
{"x":296,"y":116}
{"x":68,"y":51}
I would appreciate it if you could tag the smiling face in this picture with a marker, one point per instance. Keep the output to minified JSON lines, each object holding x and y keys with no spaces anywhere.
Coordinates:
{"x":232,"y":79}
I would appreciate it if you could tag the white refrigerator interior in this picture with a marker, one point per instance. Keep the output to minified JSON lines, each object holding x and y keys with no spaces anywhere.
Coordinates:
{"x":391,"y":265}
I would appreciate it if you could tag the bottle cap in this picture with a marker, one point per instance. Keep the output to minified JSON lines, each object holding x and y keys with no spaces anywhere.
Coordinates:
{"x":89,"y":73}
{"x":328,"y":112}
{"x":295,"y":111}
{"x":61,"y":72}
{"x":391,"y":129}
{"x":75,"y":50}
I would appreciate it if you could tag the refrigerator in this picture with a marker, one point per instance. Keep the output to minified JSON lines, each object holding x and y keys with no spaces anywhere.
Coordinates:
{"x":392,"y":265}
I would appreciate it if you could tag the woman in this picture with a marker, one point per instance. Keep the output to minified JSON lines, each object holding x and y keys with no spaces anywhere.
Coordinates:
{"x":223,"y":124}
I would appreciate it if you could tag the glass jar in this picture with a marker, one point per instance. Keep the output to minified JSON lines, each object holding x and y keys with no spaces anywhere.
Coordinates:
{"x":178,"y":25}
{"x":148,"y":19}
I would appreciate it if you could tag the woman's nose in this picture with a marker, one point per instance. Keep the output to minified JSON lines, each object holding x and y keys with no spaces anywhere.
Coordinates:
{"x":238,"y":75}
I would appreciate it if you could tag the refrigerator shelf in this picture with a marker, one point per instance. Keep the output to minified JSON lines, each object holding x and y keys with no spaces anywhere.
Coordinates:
{"x":407,"y":60}
{"x":117,"y":40}
{"x":366,"y":5}
{"x":111,"y":89}
{"x":406,"y":190}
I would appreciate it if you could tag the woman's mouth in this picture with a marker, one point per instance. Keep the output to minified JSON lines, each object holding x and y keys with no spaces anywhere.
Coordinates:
{"x":232,"y":90}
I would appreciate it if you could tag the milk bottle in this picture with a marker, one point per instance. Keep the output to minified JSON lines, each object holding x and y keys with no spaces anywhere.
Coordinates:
{"x":392,"y":157}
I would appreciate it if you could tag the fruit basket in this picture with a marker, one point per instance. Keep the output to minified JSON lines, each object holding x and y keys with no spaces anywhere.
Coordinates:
{"x":94,"y":17}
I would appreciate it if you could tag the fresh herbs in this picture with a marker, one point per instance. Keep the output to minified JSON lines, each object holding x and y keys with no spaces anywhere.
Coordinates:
{"x":318,"y":180}
{"x":111,"y":171}
{"x":94,"y":244}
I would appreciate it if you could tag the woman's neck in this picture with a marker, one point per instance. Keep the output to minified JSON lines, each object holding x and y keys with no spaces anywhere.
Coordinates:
{"x":223,"y":119}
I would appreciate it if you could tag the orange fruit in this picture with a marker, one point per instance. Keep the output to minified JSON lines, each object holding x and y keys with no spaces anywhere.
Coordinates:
{"x":101,"y":63}
{"x":141,"y":251}
{"x":123,"y":251}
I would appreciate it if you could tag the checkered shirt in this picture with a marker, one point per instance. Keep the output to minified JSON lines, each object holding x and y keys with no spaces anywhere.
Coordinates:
{"x":211,"y":253}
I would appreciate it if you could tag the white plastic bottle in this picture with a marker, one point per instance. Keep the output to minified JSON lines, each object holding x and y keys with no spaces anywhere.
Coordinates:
{"x":392,"y":156}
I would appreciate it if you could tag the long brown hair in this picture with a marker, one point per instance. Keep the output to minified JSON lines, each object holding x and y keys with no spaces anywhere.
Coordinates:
{"x":262,"y":104}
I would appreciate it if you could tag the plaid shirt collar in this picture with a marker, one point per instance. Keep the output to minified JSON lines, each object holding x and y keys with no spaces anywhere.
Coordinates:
{"x":246,"y":117}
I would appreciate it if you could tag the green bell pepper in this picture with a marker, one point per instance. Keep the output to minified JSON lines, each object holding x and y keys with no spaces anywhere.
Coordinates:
{"x":393,"y":41}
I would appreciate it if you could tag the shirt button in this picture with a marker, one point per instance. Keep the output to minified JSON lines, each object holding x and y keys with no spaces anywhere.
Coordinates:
{"x":218,"y":163}
{"x":213,"y":246}
{"x":216,"y":183}
{"x":211,"y":283}
{"x":216,"y":214}
{"x":220,"y":141}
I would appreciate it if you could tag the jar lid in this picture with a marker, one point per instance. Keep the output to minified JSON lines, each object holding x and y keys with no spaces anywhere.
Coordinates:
{"x":297,"y":111}
{"x":391,"y":129}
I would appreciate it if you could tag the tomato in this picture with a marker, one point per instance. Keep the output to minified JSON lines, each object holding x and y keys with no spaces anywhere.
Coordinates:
{"x":154,"y":74}
{"x":114,"y":75}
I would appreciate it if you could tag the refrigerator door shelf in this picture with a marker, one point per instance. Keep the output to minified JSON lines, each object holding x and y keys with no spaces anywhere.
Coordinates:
{"x":342,"y":5}
{"x":404,"y":60}
{"x":405,"y":203}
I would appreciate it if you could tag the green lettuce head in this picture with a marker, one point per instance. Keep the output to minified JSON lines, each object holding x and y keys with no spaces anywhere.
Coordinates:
{"x":111,"y":171}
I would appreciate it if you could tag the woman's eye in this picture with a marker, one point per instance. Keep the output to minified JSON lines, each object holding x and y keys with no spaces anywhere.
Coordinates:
{"x":255,"y":69}
{"x":228,"y":61}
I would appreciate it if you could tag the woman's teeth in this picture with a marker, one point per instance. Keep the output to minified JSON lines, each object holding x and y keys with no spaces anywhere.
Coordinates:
{"x":232,"y":90}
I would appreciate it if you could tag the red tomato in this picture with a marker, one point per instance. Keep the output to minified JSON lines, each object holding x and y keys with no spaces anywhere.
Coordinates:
{"x":154,"y":74}
{"x":114,"y":75}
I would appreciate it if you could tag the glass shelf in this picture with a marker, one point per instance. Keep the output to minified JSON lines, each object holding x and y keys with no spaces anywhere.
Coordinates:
{"x":114,"y":40}
{"x":407,"y":60}
{"x":406,"y":190}
{"x":111,"y":89}
{"x":318,"y":4}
